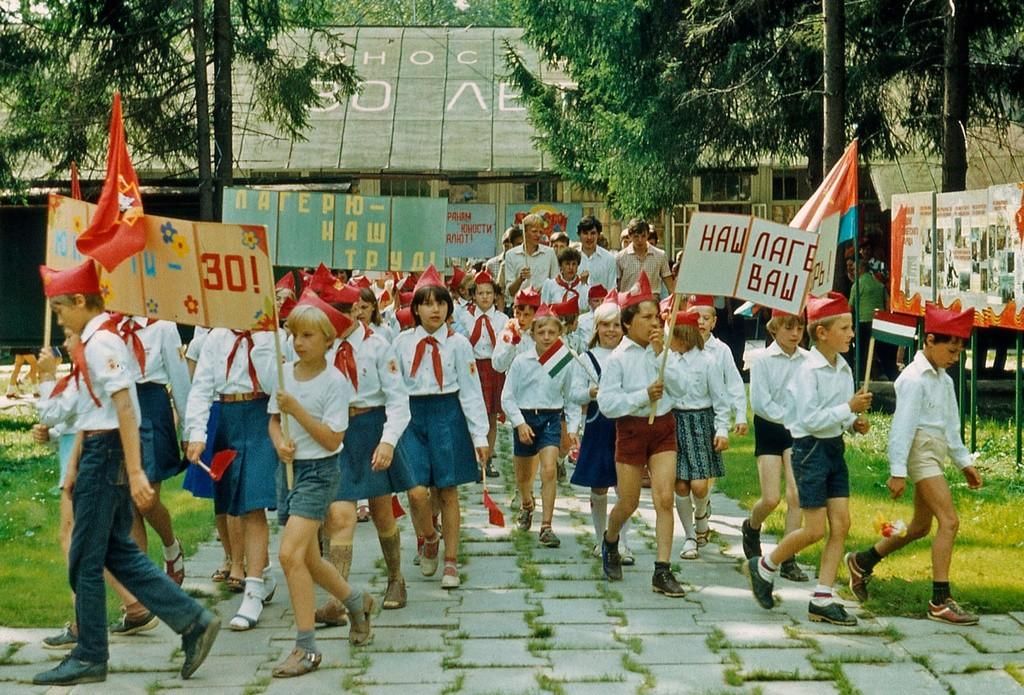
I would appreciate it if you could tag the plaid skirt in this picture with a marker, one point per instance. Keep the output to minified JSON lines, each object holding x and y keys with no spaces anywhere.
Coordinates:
{"x":696,"y":458}
{"x":491,"y":383}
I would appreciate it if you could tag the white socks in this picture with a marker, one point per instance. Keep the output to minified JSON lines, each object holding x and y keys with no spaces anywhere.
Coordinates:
{"x":767,"y":569}
{"x":172,"y":551}
{"x":822,"y":595}
{"x":684,"y":508}
{"x":700,"y":512}
{"x":599,"y":513}
{"x":252,"y":605}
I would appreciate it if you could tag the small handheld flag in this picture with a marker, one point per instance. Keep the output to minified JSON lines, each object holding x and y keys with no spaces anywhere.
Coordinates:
{"x":221,"y":460}
{"x":555,"y":358}
{"x":494,"y":515}
{"x":396,"y":507}
{"x":896,"y":329}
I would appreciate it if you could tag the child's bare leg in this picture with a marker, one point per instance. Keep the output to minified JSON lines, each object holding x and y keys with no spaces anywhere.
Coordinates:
{"x":492,"y":432}
{"x":662,"y":467}
{"x":838,"y":511}
{"x":627,"y":492}
{"x":256,"y":539}
{"x":793,"y":513}
{"x":548,"y":458}
{"x":769,"y":473}
{"x":421,"y":511}
{"x":526,"y":471}
{"x":451,"y":518}
{"x":220,"y":521}
{"x":812,"y":531}
{"x":296,"y":541}
{"x":237,"y":535}
{"x":159,"y":518}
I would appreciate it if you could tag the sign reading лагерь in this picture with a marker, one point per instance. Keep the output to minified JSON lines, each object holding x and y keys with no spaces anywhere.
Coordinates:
{"x":341,"y":230}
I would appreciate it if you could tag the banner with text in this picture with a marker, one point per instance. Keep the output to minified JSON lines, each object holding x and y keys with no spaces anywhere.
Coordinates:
{"x":195,"y":273}
{"x":341,"y":230}
{"x":824,"y":269}
{"x":561,"y":217}
{"x":471,"y":231}
{"x":749,"y":258}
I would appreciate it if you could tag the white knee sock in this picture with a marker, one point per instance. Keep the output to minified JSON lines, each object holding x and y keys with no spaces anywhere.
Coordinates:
{"x":624,"y":531}
{"x":599,"y":513}
{"x":700,"y":509}
{"x":684,"y":508}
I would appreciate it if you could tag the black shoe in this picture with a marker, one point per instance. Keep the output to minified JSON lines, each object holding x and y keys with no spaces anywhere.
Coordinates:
{"x":611,"y":561}
{"x":72,"y":671}
{"x":830,"y":613}
{"x":133,"y":626}
{"x":67,"y":639}
{"x":751,"y":540}
{"x":761,"y":587}
{"x":791,"y":571}
{"x":492,"y":472}
{"x":196,"y":642}
{"x":664,"y":582}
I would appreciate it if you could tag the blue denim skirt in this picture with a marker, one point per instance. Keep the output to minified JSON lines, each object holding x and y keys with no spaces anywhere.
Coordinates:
{"x":436,"y":446}
{"x":358,"y":480}
{"x":249,"y":482}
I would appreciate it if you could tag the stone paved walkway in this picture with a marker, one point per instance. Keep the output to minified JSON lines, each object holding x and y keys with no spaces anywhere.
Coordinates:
{"x":530,"y":619}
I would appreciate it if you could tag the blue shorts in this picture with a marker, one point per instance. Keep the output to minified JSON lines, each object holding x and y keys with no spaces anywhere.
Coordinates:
{"x":547,"y":431}
{"x":316,"y":481}
{"x":820,"y":470}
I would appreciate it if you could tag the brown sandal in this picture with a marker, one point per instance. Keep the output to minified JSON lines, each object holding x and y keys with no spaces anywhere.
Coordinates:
{"x":299,"y":663}
{"x":235,"y":585}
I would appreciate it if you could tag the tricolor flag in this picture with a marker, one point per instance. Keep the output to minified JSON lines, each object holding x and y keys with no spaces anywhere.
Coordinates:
{"x":898,"y":329}
{"x":556,"y":358}
{"x":837,"y":193}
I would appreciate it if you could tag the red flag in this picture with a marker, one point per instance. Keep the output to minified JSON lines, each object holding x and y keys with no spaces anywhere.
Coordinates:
{"x":76,"y":187}
{"x":396,"y":507}
{"x":116,"y":232}
{"x":837,"y":193}
{"x":494,"y":515}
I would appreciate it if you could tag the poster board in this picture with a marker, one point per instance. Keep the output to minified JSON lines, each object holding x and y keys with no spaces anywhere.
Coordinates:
{"x":194,"y":273}
{"x":471,"y":231}
{"x":561,"y":217}
{"x":713,"y":253}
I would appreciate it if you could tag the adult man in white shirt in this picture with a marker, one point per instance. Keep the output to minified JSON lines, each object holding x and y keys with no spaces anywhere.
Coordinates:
{"x":530,"y":263}
{"x":641,"y":256}
{"x":597,"y":265}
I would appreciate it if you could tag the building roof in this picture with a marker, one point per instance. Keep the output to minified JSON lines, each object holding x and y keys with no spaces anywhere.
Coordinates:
{"x":431,"y":100}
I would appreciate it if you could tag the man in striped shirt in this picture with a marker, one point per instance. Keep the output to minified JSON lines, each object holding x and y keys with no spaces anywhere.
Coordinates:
{"x":641,"y":256}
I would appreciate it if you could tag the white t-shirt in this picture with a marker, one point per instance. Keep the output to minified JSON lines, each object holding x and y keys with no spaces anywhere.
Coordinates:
{"x":326,"y":397}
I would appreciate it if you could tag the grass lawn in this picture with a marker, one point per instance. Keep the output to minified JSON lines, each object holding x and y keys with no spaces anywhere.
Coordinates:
{"x":989,"y":549}
{"x":32,"y":569}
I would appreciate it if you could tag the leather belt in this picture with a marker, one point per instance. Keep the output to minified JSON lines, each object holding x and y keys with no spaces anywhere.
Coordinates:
{"x":354,"y":411}
{"x":241,"y":397}
{"x":89,"y":434}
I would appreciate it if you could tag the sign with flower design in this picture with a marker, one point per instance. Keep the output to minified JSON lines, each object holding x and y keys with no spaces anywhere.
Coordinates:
{"x":196,"y":273}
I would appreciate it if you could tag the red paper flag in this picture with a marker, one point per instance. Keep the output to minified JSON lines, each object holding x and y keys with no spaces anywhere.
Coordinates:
{"x":116,"y":232}
{"x":76,"y":187}
{"x":837,"y":193}
{"x":396,"y":507}
{"x":494,"y":514}
{"x":221,"y":460}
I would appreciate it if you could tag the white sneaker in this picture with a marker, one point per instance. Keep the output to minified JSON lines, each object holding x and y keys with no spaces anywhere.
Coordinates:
{"x":450,"y":578}
{"x":689,"y":551}
{"x":596,"y":552}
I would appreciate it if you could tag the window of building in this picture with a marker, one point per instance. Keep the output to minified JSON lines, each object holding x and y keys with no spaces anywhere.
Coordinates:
{"x":541,"y":191}
{"x":725,"y":186}
{"x":790,"y":184}
{"x":419,"y":188}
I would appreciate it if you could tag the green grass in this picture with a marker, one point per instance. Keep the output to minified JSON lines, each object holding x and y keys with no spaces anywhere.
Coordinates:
{"x":989,"y":547}
{"x":32,"y":568}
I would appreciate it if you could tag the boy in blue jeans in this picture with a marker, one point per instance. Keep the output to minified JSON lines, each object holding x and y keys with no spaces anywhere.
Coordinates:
{"x":108,"y":476}
{"x":925,"y":432}
{"x":824,"y":405}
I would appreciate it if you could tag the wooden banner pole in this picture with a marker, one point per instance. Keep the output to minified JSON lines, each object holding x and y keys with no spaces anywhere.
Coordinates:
{"x":676,"y":299}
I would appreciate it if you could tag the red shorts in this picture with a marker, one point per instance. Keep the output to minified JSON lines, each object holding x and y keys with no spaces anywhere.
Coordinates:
{"x":636,"y":441}
{"x":491,"y":383}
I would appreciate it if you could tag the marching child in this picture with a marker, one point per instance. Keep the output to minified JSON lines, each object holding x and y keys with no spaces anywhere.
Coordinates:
{"x":695,"y":504}
{"x":595,"y":297}
{"x":378,"y":415}
{"x":925,"y":432}
{"x":823,"y":406}
{"x":446,"y":440}
{"x":537,"y":388}
{"x":770,"y":374}
{"x":236,"y":368}
{"x":595,"y":466}
{"x":482,"y":327}
{"x":156,"y":347}
{"x":515,"y":337}
{"x":315,"y":397}
{"x":567,"y":284}
{"x":104,"y":481}
{"x":694,"y":382}
{"x":629,"y":392}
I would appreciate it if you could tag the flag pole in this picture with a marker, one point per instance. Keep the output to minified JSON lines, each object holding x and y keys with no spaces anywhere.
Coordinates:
{"x":676,"y":299}
{"x":867,"y":369}
{"x":289,"y":468}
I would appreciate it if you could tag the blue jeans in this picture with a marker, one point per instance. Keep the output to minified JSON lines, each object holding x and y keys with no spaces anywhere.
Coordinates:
{"x":101,"y":538}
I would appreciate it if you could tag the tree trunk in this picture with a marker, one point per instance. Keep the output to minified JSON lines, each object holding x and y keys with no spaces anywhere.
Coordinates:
{"x":954,"y":105}
{"x":223,"y":37}
{"x":815,"y":147}
{"x":835,"y":81}
{"x":202,"y":110}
